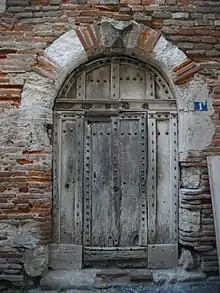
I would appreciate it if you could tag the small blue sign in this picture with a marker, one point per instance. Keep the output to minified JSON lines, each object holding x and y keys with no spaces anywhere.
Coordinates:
{"x":201,"y":106}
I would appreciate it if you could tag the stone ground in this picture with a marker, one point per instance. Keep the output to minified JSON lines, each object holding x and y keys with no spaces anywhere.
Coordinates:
{"x":195,"y":287}
{"x":125,"y":281}
{"x":90,"y":279}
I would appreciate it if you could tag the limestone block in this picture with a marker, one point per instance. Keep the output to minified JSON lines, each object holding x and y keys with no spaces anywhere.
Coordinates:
{"x":2,"y":6}
{"x":162,"y":256}
{"x":191,"y":177}
{"x":74,"y":51}
{"x":168,"y":53}
{"x":189,"y":220}
{"x":25,"y":240}
{"x":187,"y":261}
{"x":119,"y":33}
{"x":36,"y":260}
{"x":65,"y":256}
{"x":69,"y":279}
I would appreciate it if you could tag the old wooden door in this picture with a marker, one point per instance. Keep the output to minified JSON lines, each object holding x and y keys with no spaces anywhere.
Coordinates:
{"x":115,"y":206}
{"x":115,"y":165}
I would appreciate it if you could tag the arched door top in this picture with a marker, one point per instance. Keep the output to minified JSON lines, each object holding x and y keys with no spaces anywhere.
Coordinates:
{"x":116,"y":79}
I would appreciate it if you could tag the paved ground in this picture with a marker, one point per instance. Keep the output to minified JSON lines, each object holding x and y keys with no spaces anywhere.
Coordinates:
{"x":199,"y":287}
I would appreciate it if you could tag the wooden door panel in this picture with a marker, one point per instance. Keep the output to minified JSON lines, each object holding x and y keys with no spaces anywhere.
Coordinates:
{"x":129,"y":173}
{"x":99,"y":177}
{"x":68,"y":166}
{"x":162,"y":191}
{"x":163,"y":182}
{"x":101,"y":172}
{"x":115,"y":176}
{"x":97,"y":83}
{"x":67,"y":179}
{"x":132,"y":82}
{"x":93,"y":254}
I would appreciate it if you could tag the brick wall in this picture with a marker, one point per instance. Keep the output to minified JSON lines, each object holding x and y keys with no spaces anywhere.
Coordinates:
{"x":28,"y":27}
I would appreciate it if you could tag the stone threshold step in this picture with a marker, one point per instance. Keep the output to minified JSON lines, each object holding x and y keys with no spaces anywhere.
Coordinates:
{"x":89,"y":279}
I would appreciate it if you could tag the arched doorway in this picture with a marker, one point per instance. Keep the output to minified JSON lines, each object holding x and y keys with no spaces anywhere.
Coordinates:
{"x":115,"y":165}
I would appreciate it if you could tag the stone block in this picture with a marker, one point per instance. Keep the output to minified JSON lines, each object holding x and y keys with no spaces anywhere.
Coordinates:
{"x":62,"y":279}
{"x":189,"y":220}
{"x":36,"y":260}
{"x":181,"y":15}
{"x":17,"y":2}
{"x":162,"y":256}
{"x":186,"y":261}
{"x":141,"y":275}
{"x":65,"y":256}
{"x":2,"y":6}
{"x":112,"y":273}
{"x":177,"y":275}
{"x":191,"y":177}
{"x":168,"y":53}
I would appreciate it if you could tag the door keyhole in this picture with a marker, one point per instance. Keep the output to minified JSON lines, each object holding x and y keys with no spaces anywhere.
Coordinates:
{"x":94,"y":175}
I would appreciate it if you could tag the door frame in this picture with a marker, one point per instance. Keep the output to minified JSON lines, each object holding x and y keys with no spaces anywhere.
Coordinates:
{"x":156,"y":109}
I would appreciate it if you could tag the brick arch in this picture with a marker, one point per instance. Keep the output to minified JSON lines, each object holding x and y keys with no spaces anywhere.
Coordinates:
{"x":78,"y":46}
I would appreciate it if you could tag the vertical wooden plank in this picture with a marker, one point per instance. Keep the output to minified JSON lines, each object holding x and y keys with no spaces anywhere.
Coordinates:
{"x":163,"y":181}
{"x":130,"y":181}
{"x":56,"y":178}
{"x":150,"y":85}
{"x":98,"y":83}
{"x":174,"y":178}
{"x":143,"y":241}
{"x":68,"y":178}
{"x":80,"y":87}
{"x":78,"y":182}
{"x":102,"y":218}
{"x":163,"y":253}
{"x":214,"y":170}
{"x":132,"y":82}
{"x":102,"y":186}
{"x":152,"y":178}
{"x":115,"y":94}
{"x":116,"y":192}
{"x":87,"y":196}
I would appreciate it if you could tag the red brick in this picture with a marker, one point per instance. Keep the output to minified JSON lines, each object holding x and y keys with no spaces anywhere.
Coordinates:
{"x":25,"y":194}
{"x":148,"y":2}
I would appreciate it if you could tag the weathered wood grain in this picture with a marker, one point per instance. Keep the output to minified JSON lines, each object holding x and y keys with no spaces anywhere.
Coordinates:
{"x":97,"y":83}
{"x":129,"y":172}
{"x":103,"y":220}
{"x":116,"y":150}
{"x":116,"y":172}
{"x":134,"y":253}
{"x":132,"y":82}
{"x":152,"y":179}
{"x":68,"y":180}
{"x":163,"y":197}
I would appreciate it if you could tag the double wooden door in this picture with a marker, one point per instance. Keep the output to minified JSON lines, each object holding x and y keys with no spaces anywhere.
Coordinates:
{"x":115,"y":198}
{"x":115,"y":165}
{"x":116,"y":185}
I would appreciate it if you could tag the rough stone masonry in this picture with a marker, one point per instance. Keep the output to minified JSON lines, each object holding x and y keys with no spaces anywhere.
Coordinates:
{"x":185,"y":38}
